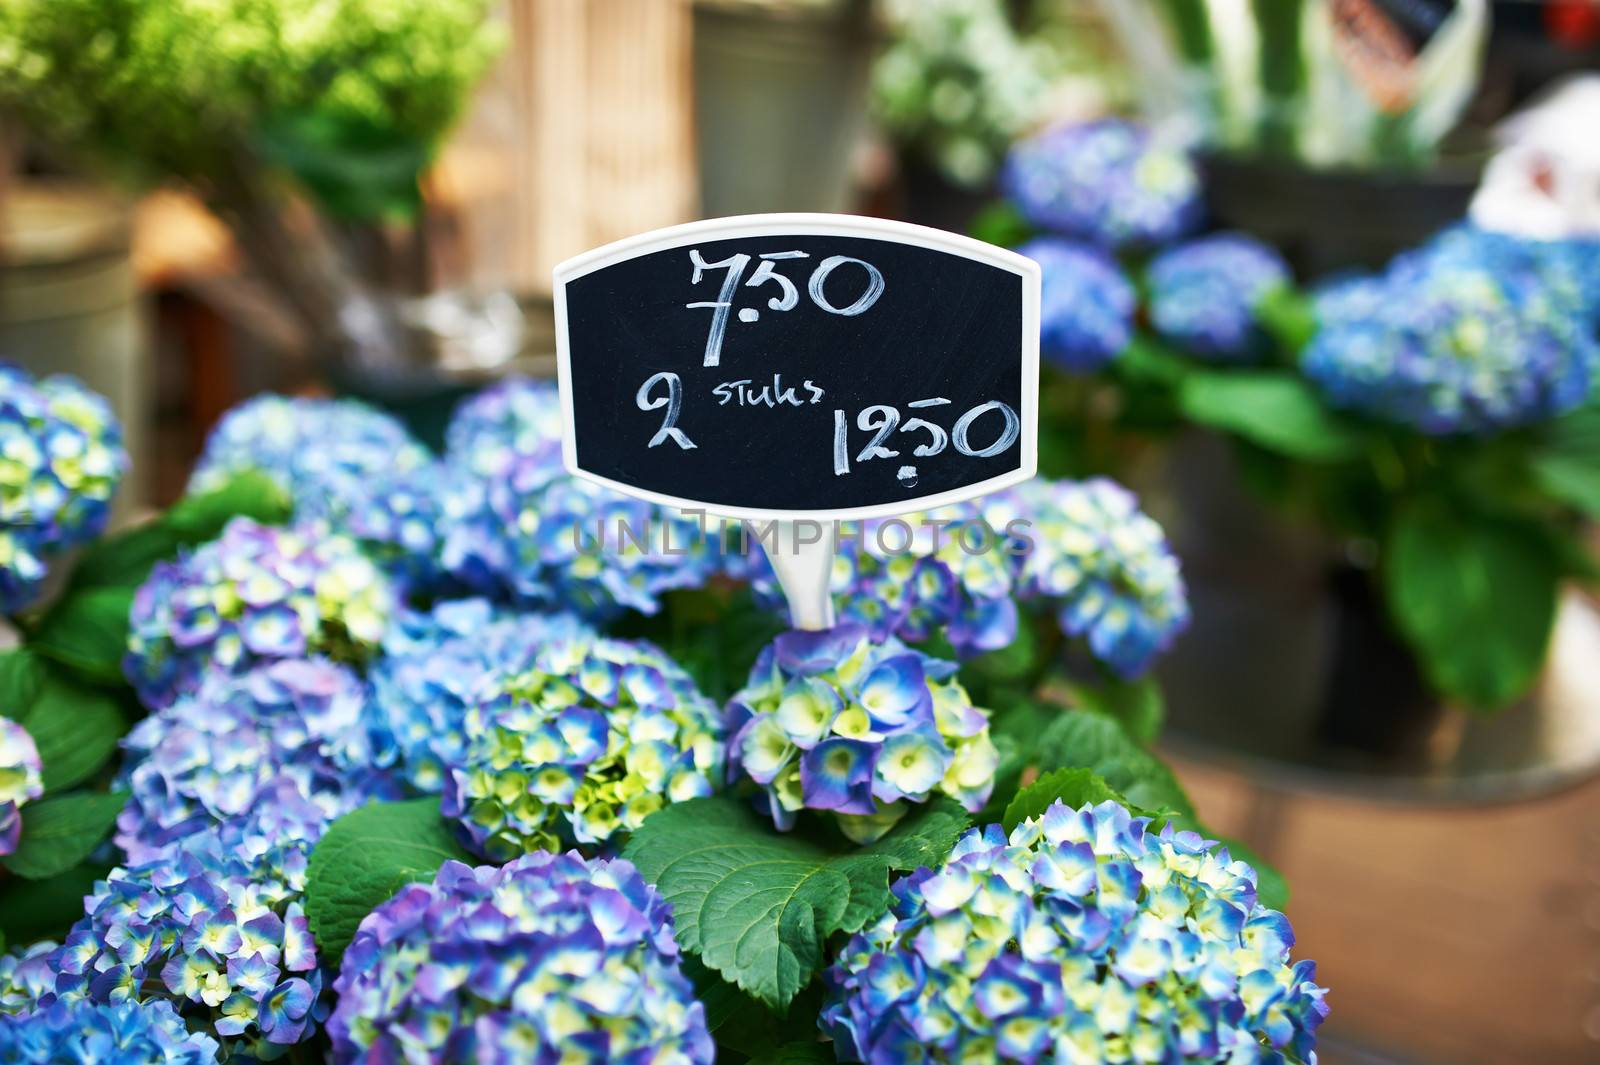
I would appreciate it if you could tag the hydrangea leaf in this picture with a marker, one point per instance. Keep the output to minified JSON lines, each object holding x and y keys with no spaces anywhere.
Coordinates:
{"x":1476,"y":598}
{"x":60,"y":832}
{"x":1075,"y":787}
{"x":1273,"y":409}
{"x":812,"y":1053}
{"x":75,"y":727}
{"x":31,"y":910}
{"x":1136,"y":704}
{"x":756,"y":905}
{"x":1087,"y":740}
{"x":366,"y":856}
{"x":87,"y":631}
{"x":1567,"y":463}
{"x":743,"y":1026}
{"x":21,"y":675}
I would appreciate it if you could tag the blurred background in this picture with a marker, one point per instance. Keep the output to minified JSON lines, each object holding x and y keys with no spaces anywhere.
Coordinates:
{"x":202,"y":201}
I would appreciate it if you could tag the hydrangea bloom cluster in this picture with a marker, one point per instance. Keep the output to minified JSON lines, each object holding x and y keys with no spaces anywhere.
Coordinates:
{"x":215,"y":927}
{"x":517,"y":524}
{"x":1082,"y":937}
{"x":1102,"y":563}
{"x":349,"y":468}
{"x":1086,"y":305}
{"x":1108,"y":181}
{"x":150,"y":1033}
{"x":1459,"y":337}
{"x":939,"y":573}
{"x":26,"y":977}
{"x":548,"y":957}
{"x":1204,"y":294}
{"x":256,"y":594}
{"x":20,"y":780}
{"x":842,"y":722}
{"x":210,"y":755}
{"x":436,"y":664}
{"x":579,"y":749}
{"x":61,"y":459}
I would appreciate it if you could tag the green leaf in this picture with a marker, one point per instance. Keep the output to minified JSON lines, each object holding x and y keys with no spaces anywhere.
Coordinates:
{"x":75,"y":726}
{"x":1075,"y":787}
{"x":21,"y":675}
{"x":60,"y":832}
{"x":1000,"y":223}
{"x":810,"y":1053}
{"x":1475,"y":596}
{"x":744,"y":1026}
{"x":757,"y":905}
{"x":365,"y":857}
{"x":1272,"y":409}
{"x":1572,"y":479}
{"x":1086,"y":740}
{"x":1135,"y":704}
{"x":1147,"y":360}
{"x":31,"y":910}
{"x":87,"y":631}
{"x":1289,"y":316}
{"x":356,"y":169}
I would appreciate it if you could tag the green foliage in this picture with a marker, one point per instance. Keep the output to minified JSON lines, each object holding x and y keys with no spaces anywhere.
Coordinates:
{"x":743,"y":1027}
{"x":1476,"y":598}
{"x":1289,"y":316}
{"x":31,"y":910}
{"x":59,"y":832}
{"x":808,"y":1053}
{"x":1082,"y":739}
{"x":75,"y":726}
{"x":87,"y":632}
{"x":353,"y":168}
{"x":1002,"y":224}
{"x":1566,"y":463}
{"x":756,"y":905}
{"x":1137,"y":705}
{"x":1074,"y":787}
{"x":714,"y":633}
{"x":365,"y":857}
{"x":182,"y":88}
{"x":1273,"y":409}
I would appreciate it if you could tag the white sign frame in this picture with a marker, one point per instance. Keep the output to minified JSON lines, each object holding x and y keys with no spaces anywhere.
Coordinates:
{"x":810,"y":224}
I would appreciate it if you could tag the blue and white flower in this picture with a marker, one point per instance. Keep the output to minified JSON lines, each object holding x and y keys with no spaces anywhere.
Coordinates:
{"x":1204,"y":294}
{"x":20,"y":780}
{"x":135,"y":1033}
{"x":1086,"y":305}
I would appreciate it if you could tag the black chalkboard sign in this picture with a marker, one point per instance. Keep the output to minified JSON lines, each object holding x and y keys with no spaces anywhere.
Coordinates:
{"x":820,"y":366}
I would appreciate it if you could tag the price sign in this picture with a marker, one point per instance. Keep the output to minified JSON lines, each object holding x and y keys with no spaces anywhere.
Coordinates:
{"x":799,"y":366}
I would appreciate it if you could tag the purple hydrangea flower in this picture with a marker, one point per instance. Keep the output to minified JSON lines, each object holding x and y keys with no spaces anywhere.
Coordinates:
{"x":1204,"y":294}
{"x":517,"y":525}
{"x":548,"y":957}
{"x":61,"y":460}
{"x":858,"y":726}
{"x":1109,"y":182}
{"x":257,"y":594}
{"x":215,"y":926}
{"x":580,"y":748}
{"x":147,"y":1033}
{"x":210,"y":755}
{"x":1101,"y":563}
{"x":437,"y":664}
{"x":939,"y":573}
{"x":20,"y":780}
{"x":1086,"y":305}
{"x":1464,"y":336}
{"x":349,"y":469}
{"x":1081,"y":937}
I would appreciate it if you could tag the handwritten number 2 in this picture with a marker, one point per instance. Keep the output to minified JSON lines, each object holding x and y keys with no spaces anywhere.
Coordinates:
{"x":884,"y":419}
{"x":673,"y":401}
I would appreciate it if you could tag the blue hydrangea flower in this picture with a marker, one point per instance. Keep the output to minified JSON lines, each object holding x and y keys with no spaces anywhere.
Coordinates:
{"x":20,"y":780}
{"x":937,"y":573}
{"x":1109,"y":182}
{"x":437,"y":664}
{"x":517,"y":416}
{"x":149,"y":1033}
{"x":1463,"y":336}
{"x":26,"y":977}
{"x":211,"y":754}
{"x":349,"y":468}
{"x":61,"y":460}
{"x":580,"y":748}
{"x":1101,"y":563}
{"x":1081,"y":938}
{"x":256,"y":594}
{"x":1086,"y":305}
{"x":1204,"y":294}
{"x":517,"y":525}
{"x":215,"y":927}
{"x":842,"y":722}
{"x":550,"y":957}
